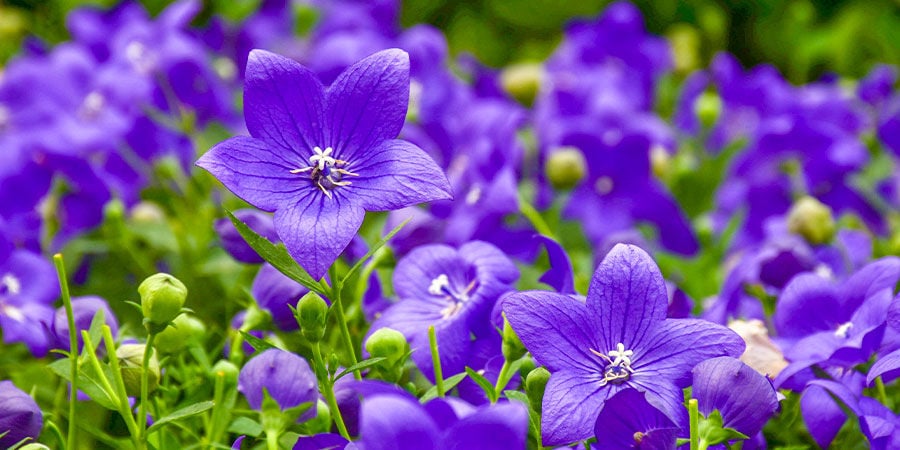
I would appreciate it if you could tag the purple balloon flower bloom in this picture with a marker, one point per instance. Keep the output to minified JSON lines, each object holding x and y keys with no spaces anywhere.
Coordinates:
{"x":619,"y":338}
{"x":20,"y":416}
{"x":28,"y":288}
{"x":454,"y":290}
{"x":83,"y":309}
{"x":285,"y":376}
{"x":319,"y":158}
{"x":745,"y":399}
{"x":629,"y":421}
{"x":274,"y":291}
{"x":235,"y":245}
{"x":400,"y":423}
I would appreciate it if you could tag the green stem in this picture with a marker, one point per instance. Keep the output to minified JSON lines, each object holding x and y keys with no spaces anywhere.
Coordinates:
{"x":272,"y":437}
{"x":124,"y":407}
{"x":882,"y":393}
{"x":436,"y":361}
{"x":694,"y":413}
{"x":535,"y":218}
{"x":338,"y":305}
{"x":73,"y":347}
{"x":502,"y":379}
{"x":327,"y":388}
{"x":145,"y":387}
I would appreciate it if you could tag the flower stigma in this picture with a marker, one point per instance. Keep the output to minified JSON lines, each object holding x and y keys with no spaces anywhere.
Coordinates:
{"x":843,"y":330}
{"x":618,"y":369}
{"x":326,"y":171}
{"x":10,"y":285}
{"x":441,"y":287}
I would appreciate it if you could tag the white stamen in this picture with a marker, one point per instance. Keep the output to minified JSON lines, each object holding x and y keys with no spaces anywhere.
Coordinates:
{"x":12,"y":312}
{"x":92,"y":105}
{"x":473,"y":195}
{"x":438,"y":284}
{"x":842,"y":330}
{"x":12,"y":284}
{"x":140,"y":57}
{"x":618,"y":364}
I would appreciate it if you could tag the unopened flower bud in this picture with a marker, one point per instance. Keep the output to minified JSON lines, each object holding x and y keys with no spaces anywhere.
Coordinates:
{"x":535,"y":383}
{"x":522,"y":81}
{"x":512,"y":346}
{"x":114,"y":210}
{"x":708,"y":107}
{"x":162,"y":297}
{"x":811,"y":219}
{"x":226,"y":369}
{"x":185,"y":330}
{"x":387,"y":343}
{"x":311,"y":314}
{"x":566,"y":167}
{"x":131,"y":359}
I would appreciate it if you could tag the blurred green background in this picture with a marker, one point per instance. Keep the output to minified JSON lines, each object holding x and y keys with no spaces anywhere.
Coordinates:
{"x":803,"y":38}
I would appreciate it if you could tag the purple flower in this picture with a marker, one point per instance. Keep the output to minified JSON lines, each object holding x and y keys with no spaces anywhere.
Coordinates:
{"x":629,"y":421}
{"x":28,"y":288}
{"x":745,"y":399}
{"x":619,"y":338}
{"x":454,"y":290}
{"x":234,"y":244}
{"x":20,"y":416}
{"x":285,"y":376}
{"x":400,"y":423}
{"x":83,"y":309}
{"x":274,"y":292}
{"x":319,"y":158}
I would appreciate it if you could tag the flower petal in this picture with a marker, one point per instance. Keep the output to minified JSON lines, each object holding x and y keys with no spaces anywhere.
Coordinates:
{"x":317,"y":229}
{"x":255,"y":172}
{"x":501,"y":426}
{"x":415,"y":272}
{"x":284,"y":104}
{"x":745,"y":398}
{"x":367,"y":103}
{"x":396,"y":423}
{"x":627,"y":295}
{"x":555,"y":328}
{"x":628,"y":413}
{"x":809,"y":303}
{"x":887,"y":367}
{"x":396,"y":174}
{"x":571,"y":404}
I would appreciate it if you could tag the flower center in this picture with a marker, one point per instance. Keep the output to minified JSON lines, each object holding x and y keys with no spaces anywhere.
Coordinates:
{"x":618,"y":368}
{"x":843,"y":330}
{"x":441,"y":287}
{"x":92,"y":106}
{"x":325,"y":171}
{"x":10,"y":285}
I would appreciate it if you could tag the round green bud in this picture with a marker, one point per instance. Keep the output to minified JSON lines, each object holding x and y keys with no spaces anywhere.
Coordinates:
{"x":566,"y":167}
{"x":811,"y":219}
{"x":685,"y":42}
{"x":311,"y":314}
{"x":162,"y":297}
{"x":708,"y":107}
{"x":131,"y":359}
{"x":522,"y":81}
{"x":227,"y":369}
{"x":535,"y":383}
{"x":184,"y":330}
{"x":387,"y":343}
{"x":34,"y":446}
{"x":114,"y":210}
{"x":512,"y":347}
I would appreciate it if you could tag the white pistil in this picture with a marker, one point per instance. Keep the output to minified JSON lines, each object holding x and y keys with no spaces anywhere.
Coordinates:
{"x":618,"y":366}
{"x":322,"y":157}
{"x":842,"y":330}
{"x":438,"y":284}
{"x":323,"y":166}
{"x":11,"y":283}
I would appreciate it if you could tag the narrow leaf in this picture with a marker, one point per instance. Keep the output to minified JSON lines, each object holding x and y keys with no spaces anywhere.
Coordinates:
{"x":255,"y":342}
{"x":485,"y":384}
{"x":449,"y":384}
{"x":365,"y":364}
{"x":87,"y":383}
{"x":187,"y":411}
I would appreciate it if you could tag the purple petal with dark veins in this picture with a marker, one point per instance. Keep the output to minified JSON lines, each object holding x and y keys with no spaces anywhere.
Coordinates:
{"x":396,"y":174}
{"x":627,"y":415}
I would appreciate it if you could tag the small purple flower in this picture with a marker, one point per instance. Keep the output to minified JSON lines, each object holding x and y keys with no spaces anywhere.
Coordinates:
{"x":276,"y":292}
{"x":28,"y":288}
{"x":319,"y":158}
{"x":454,"y":290}
{"x":629,"y":421}
{"x":83,"y":309}
{"x":285,"y":376}
{"x":20,"y":416}
{"x":745,"y":399}
{"x":620,"y":338}
{"x":235,"y":245}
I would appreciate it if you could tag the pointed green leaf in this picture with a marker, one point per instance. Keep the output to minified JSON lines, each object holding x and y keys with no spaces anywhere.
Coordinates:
{"x":365,"y":364}
{"x":87,"y":383}
{"x":187,"y":411}
{"x":449,"y":384}
{"x":255,"y":342}
{"x":483,"y":382}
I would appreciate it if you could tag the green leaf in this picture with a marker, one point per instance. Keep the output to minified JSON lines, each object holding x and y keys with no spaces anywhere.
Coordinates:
{"x":449,"y":384}
{"x":517,"y":396}
{"x":96,"y":329}
{"x":485,"y":384}
{"x":365,"y":364}
{"x":277,"y":256}
{"x":375,"y":247}
{"x":187,"y":411}
{"x":87,"y":383}
{"x":246,"y":426}
{"x":255,"y":342}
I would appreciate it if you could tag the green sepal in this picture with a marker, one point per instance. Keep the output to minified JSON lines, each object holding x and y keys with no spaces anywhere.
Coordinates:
{"x":713,"y":432}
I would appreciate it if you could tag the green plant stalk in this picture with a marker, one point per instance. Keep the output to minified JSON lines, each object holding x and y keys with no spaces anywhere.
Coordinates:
{"x":436,"y":361}
{"x":327,"y":388}
{"x":214,"y":431}
{"x":694,"y":414}
{"x":534,"y":217}
{"x":338,"y":305}
{"x":124,"y":408}
{"x":882,"y":394}
{"x":145,"y":381}
{"x":501,"y":380}
{"x":73,"y":347}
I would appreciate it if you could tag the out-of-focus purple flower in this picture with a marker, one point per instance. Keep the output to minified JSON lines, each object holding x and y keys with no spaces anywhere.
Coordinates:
{"x":745,"y":399}
{"x":320,"y":158}
{"x":400,"y":423}
{"x":628,"y":420}
{"x":454,"y":290}
{"x":28,"y":288}
{"x":20,"y":416}
{"x":285,"y":376}
{"x":878,"y":85}
{"x":83,"y":309}
{"x":235,"y":245}
{"x":276,"y":293}
{"x":619,"y":339}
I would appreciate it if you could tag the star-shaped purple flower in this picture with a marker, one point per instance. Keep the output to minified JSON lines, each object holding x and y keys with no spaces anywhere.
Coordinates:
{"x":619,"y":338}
{"x":321,"y":157}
